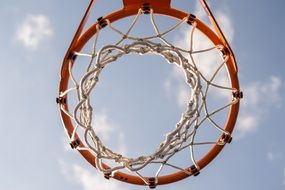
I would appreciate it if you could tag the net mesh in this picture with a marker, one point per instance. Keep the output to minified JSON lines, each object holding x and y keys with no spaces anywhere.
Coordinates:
{"x":183,"y":136}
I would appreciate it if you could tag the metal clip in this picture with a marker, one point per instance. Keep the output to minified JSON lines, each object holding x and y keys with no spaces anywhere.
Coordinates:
{"x":102,"y":22}
{"x":226,"y":138}
{"x":238,"y":94}
{"x":74,"y":144}
{"x":194,"y":170}
{"x":152,"y":183}
{"x":191,"y":18}
{"x":146,"y":8}
{"x":107,"y":175}
{"x":61,"y":100}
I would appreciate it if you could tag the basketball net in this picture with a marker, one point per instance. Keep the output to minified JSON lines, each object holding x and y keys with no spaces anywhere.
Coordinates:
{"x":183,"y":135}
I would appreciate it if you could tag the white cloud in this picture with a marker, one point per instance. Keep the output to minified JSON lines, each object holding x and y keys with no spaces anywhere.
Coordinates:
{"x":226,"y":25}
{"x":88,"y":180}
{"x":260,"y":97}
{"x":33,"y":30}
{"x":274,"y":155}
{"x":257,"y":101}
{"x":108,"y":131}
{"x":66,"y":170}
{"x":246,"y":124}
{"x":65,"y":142}
{"x":207,"y":62}
{"x":176,"y":87}
{"x":182,"y":96}
{"x":266,"y":93}
{"x":102,"y":126}
{"x":223,"y":19}
{"x":199,"y":11}
{"x":122,"y":143}
{"x":210,"y":61}
{"x":270,"y":156}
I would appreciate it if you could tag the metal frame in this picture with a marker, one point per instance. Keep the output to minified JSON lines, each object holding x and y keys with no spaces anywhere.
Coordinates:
{"x":160,"y":7}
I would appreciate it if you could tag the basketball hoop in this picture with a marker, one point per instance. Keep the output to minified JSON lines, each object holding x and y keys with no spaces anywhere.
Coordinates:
{"x":77,"y":118}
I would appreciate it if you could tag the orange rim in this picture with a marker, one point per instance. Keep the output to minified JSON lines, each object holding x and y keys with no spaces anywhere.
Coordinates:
{"x":159,"y":7}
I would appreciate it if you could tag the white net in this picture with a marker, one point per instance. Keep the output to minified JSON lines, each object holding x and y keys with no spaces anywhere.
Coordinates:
{"x":183,"y":135}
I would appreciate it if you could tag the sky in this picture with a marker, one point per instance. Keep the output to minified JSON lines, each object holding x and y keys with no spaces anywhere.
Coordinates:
{"x":35,"y":153}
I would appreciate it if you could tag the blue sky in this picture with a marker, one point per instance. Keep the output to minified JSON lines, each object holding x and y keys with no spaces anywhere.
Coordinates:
{"x":35,"y":153}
